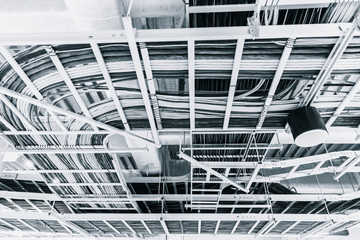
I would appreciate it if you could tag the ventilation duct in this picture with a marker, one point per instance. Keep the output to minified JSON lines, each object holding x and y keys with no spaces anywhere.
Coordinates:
{"x":99,"y":15}
{"x":307,"y":127}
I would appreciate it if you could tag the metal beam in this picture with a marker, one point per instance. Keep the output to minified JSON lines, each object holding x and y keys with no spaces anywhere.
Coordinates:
{"x":180,"y":217}
{"x":81,"y":151}
{"x":350,"y":165}
{"x":100,"y":60}
{"x":122,"y":180}
{"x":253,"y":176}
{"x":140,"y":75}
{"x":283,"y":4}
{"x":179,"y":34}
{"x":17,"y":112}
{"x":354,"y":90}
{"x":69,"y":224}
{"x":335,"y":54}
{"x":7,"y":124}
{"x":17,"y":68}
{"x":231,"y":146}
{"x":65,"y":76}
{"x":276,"y":80}
{"x":72,"y":115}
{"x":264,"y":228}
{"x":199,"y":164}
{"x":150,"y":83}
{"x":191,"y":82}
{"x":184,"y":197}
{"x":163,"y":224}
{"x":233,"y":81}
{"x":112,"y":227}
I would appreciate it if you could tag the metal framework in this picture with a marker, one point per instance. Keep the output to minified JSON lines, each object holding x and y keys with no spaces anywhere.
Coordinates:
{"x":221,"y":176}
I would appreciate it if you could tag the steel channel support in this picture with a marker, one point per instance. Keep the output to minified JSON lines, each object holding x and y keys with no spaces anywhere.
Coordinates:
{"x":105,"y":72}
{"x":128,"y":226}
{"x":268,"y":225}
{"x":276,"y":80}
{"x":253,"y":176}
{"x":354,"y":90}
{"x":235,"y":227}
{"x":151,"y":83}
{"x":70,"y":225}
{"x":233,"y":81}
{"x":282,"y":5}
{"x":140,"y":75}
{"x":347,"y":168}
{"x":317,"y":229}
{"x":7,"y":124}
{"x":327,"y":68}
{"x":10,"y":59}
{"x":217,"y":227}
{"x":165,"y":228}
{"x":74,"y":151}
{"x":62,"y":71}
{"x":146,"y":227}
{"x":112,"y":227}
{"x":198,"y":164}
{"x":191,"y":81}
{"x":178,"y":34}
{"x":17,"y":112}
{"x":122,"y":180}
{"x":72,"y":115}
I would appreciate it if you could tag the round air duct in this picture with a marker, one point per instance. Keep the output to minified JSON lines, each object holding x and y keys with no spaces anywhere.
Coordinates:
{"x":307,"y":127}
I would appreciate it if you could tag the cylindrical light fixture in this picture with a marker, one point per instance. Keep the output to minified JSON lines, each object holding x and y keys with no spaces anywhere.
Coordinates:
{"x":307,"y":127}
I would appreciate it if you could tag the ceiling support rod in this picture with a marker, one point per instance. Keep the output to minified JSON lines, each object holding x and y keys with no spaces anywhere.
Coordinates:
{"x":130,"y":35}
{"x":151,"y":84}
{"x":354,"y":90}
{"x":81,"y":118}
{"x":105,"y":72}
{"x":191,"y":81}
{"x":276,"y":80}
{"x":233,"y":80}
{"x":208,"y":169}
{"x":20,"y":72}
{"x":65,"y":76}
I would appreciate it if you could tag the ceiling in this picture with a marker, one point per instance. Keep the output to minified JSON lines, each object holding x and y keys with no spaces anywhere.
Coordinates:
{"x":169,"y":120}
